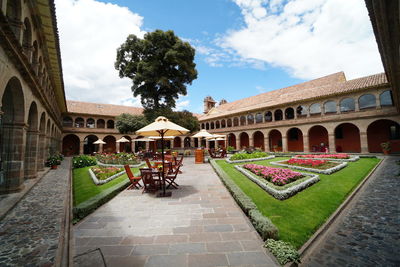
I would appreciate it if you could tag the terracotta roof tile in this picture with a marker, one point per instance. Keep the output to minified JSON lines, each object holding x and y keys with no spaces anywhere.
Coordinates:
{"x":100,"y":109}
{"x":322,"y":87}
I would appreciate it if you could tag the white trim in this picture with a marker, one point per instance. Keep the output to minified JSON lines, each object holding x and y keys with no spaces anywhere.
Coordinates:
{"x":309,"y":169}
{"x":351,"y":159}
{"x":248,"y":160}
{"x":100,"y":182}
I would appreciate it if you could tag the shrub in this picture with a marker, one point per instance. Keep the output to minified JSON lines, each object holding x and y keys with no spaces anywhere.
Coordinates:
{"x":118,"y":159}
{"x":263,"y":225}
{"x":103,"y":173}
{"x":254,"y":155}
{"x":284,"y":252}
{"x":83,"y":161}
{"x":53,"y":160}
{"x":187,"y":152}
{"x":386,"y":146}
{"x":230,"y":148}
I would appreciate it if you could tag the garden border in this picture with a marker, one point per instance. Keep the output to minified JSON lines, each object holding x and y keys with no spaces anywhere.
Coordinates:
{"x":327,"y":171}
{"x":351,"y":159}
{"x":100,"y":182}
{"x":118,"y":165}
{"x":248,"y":160}
{"x":280,"y":194}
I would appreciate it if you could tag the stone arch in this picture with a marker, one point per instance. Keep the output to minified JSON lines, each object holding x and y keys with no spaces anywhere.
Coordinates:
{"x":386,"y":98}
{"x":177,"y":142}
{"x":289,"y":113}
{"x":383,"y":130}
{"x":278,"y":115}
{"x":142,"y":145}
{"x":110,"y":145}
{"x":275,"y":140}
{"x":101,"y":124}
{"x":295,"y":140}
{"x":318,"y":138}
{"x":258,"y":139}
{"x":35,"y":54}
{"x":330,"y":107}
{"x":268,"y":116}
{"x":207,"y":126}
{"x":244,"y":140}
{"x":202,"y":126}
{"x":186,"y":142}
{"x":347,"y":104}
{"x":242,"y":120}
{"x":42,"y":141}
{"x":347,"y":138}
{"x":235,"y":121}
{"x":79,"y":122}
{"x":27,"y":39}
{"x":31,"y":143}
{"x":223,"y":124}
{"x":110,"y":124}
{"x":126,"y":147}
{"x":301,"y":111}
{"x":12,"y":136}
{"x":212,"y":125}
{"x":315,"y":109}
{"x":67,"y":121}
{"x":217,"y":125}
{"x":90,"y":123}
{"x":70,"y":145}
{"x":232,"y":140}
{"x":259,"y":117}
{"x":229,"y":122}
{"x":88,"y":146}
{"x":367,"y":101}
{"x":250,"y":119}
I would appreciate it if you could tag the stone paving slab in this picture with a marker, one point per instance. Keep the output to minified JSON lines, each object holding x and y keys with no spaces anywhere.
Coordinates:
{"x":200,"y":225}
{"x":369,"y":234}
{"x":29,"y":233}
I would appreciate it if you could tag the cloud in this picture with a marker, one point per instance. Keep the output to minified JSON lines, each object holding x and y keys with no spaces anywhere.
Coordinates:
{"x":308,"y":38}
{"x":182,"y":103}
{"x":90,"y":33}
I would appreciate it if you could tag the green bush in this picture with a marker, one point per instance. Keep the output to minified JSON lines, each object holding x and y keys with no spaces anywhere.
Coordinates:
{"x":230,"y":148}
{"x":254,"y":155}
{"x":118,"y":159}
{"x":263,"y":225}
{"x":83,"y":161}
{"x":284,"y":252}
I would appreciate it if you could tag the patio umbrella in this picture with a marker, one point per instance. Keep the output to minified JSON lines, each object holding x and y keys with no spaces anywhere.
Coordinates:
{"x":99,"y":141}
{"x":122,"y":140}
{"x":144,"y":139}
{"x":202,"y":134}
{"x":159,"y":137}
{"x":161,"y":127}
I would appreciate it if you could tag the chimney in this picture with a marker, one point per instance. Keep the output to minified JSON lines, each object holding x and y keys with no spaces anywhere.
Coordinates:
{"x":209,"y":103}
{"x":223,"y":101}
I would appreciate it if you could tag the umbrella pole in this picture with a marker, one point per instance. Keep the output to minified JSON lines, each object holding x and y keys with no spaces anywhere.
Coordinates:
{"x":163,"y":194}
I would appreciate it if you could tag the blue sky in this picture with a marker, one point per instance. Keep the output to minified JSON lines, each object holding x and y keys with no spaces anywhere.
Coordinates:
{"x":243,"y":47}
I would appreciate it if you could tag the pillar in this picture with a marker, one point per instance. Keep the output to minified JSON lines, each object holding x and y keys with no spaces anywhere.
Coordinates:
{"x":31,"y":154}
{"x":100,"y":148}
{"x":81,"y":147}
{"x":42,"y":150}
{"x":306,"y":145}
{"x":191,"y":142}
{"x":364,"y":142}
{"x":251,"y":141}
{"x":266,"y":144}
{"x":133,"y":146}
{"x":238,"y":143}
{"x":147,"y":146}
{"x":284,"y":143}
{"x":331,"y":140}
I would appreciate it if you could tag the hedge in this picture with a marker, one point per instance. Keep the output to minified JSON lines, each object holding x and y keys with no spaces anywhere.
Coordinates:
{"x":262,"y":224}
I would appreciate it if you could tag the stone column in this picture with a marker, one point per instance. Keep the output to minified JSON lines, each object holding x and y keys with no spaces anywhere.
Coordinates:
{"x":31,"y":154}
{"x":147,"y":146}
{"x":356,"y":105}
{"x":266,"y":144}
{"x":100,"y":148}
{"x":191,"y":142}
{"x":81,"y":147}
{"x":207,"y":144}
{"x":238,"y":143}
{"x":284,"y":143}
{"x":306,"y":145}
{"x":251,"y":141}
{"x":364,"y":142}
{"x":331,"y":140}
{"x":41,"y":153}
{"x":47,"y":147}
{"x":133,"y":146}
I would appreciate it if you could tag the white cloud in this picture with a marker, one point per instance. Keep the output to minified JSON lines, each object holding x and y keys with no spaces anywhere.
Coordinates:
{"x":90,"y":33}
{"x":309,"y":38}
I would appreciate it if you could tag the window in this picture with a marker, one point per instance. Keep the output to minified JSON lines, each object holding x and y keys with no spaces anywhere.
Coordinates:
{"x":207,"y":126}
{"x":242,"y":120}
{"x":347,"y":104}
{"x":79,"y":123}
{"x":394,"y":132}
{"x":259,"y":118}
{"x":212,"y":125}
{"x":268,"y":116}
{"x":315,"y":109}
{"x":101,"y":123}
{"x":110,"y":124}
{"x":67,"y":122}
{"x":90,"y":123}
{"x":278,"y":115}
{"x":202,"y":126}
{"x":236,"y":121}
{"x":289,"y":113}
{"x":301,"y":111}
{"x":250,"y":119}
{"x":330,"y":107}
{"x":217,"y":125}
{"x":223,"y":124}
{"x":386,"y":98}
{"x":367,"y":101}
{"x":229,"y":123}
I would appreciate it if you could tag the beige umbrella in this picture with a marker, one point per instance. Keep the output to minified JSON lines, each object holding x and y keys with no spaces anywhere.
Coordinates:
{"x":144,"y":139}
{"x":99,"y":141}
{"x":159,"y":137}
{"x":202,"y":134}
{"x":161,"y":127}
{"x":122,"y":140}
{"x":216,"y":137}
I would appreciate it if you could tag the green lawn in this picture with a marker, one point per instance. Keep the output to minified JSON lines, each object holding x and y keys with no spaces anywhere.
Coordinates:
{"x":298,"y":217}
{"x":84,"y":188}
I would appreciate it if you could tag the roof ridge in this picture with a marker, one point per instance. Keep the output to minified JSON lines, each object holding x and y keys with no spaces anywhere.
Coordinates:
{"x":95,"y":103}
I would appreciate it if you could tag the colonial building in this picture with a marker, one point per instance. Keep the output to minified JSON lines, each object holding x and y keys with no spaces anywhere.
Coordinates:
{"x":31,"y":90}
{"x":330,"y":112}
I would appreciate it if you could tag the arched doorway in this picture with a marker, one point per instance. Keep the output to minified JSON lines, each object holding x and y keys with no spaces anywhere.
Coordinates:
{"x":141,"y":145}
{"x":11,"y":135}
{"x":31,"y":143}
{"x":110,"y":145}
{"x":88,"y":146}
{"x":347,"y":138}
{"x":186,"y":142}
{"x":244,"y":140}
{"x":318,"y":138}
{"x":295,"y":140}
{"x":275,"y":140}
{"x":126,"y":146}
{"x":70,"y":145}
{"x":177,"y":142}
{"x":383,"y":131}
{"x":258,"y":138}
{"x":232,"y":140}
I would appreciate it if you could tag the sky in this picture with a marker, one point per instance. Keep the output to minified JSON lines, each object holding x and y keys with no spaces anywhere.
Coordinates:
{"x":243,"y":47}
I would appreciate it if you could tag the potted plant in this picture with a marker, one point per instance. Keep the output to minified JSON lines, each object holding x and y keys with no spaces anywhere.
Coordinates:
{"x":53,"y":162}
{"x":386,"y":148}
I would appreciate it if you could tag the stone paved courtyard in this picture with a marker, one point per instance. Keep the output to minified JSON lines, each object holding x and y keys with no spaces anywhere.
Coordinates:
{"x":29,"y":234}
{"x":200,"y":225}
{"x":369,"y":234}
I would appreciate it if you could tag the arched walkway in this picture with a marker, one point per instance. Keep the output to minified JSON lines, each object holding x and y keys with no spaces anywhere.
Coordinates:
{"x":186,"y":142}
{"x":258,"y":138}
{"x":140,"y":145}
{"x":88,"y":146}
{"x":70,"y":145}
{"x":275,"y":140}
{"x":127,"y":146}
{"x":318,"y":138}
{"x":244,"y":140}
{"x":383,"y":131}
{"x":295,"y":140}
{"x":110,"y":145}
{"x":31,"y":143}
{"x":347,"y":138}
{"x":177,"y":142}
{"x":12,"y":134}
{"x":232,"y":140}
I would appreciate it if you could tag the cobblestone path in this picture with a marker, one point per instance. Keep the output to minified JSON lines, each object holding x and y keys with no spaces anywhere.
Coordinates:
{"x":369,"y":234}
{"x":200,"y":225}
{"x":29,"y":234}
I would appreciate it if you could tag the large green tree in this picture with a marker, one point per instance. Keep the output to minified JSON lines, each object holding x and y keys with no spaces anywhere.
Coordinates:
{"x":160,"y":66}
{"x":184,"y":118}
{"x":128,"y":123}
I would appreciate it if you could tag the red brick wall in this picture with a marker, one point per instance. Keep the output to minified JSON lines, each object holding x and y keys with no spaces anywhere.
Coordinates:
{"x":295,"y":145}
{"x":351,"y":139}
{"x":318,"y":135}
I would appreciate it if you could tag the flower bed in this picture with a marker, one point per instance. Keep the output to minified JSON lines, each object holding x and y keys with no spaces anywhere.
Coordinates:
{"x":117,"y":160}
{"x":245,"y":157}
{"x":312,"y":165}
{"x":335,"y":157}
{"x":280,"y":183}
{"x":101,"y":175}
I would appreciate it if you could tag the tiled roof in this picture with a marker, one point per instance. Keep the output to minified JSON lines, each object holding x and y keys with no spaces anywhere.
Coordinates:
{"x":100,"y":109}
{"x":323,"y":87}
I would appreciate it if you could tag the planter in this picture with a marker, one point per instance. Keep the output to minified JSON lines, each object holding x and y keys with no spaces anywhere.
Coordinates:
{"x":54,"y":167}
{"x":386,"y":152}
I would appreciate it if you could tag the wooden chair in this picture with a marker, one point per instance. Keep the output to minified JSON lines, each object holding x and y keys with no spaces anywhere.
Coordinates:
{"x":150,"y":184}
{"x":134,"y":180}
{"x":170,"y":178}
{"x":178,"y":164}
{"x":149,"y":164}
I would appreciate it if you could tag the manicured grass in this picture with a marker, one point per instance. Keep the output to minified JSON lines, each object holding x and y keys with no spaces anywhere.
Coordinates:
{"x":298,"y":217}
{"x":84,"y":188}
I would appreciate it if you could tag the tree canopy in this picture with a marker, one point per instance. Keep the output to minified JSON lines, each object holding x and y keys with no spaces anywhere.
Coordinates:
{"x":182,"y":118}
{"x":127,"y":123}
{"x":160,"y":66}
